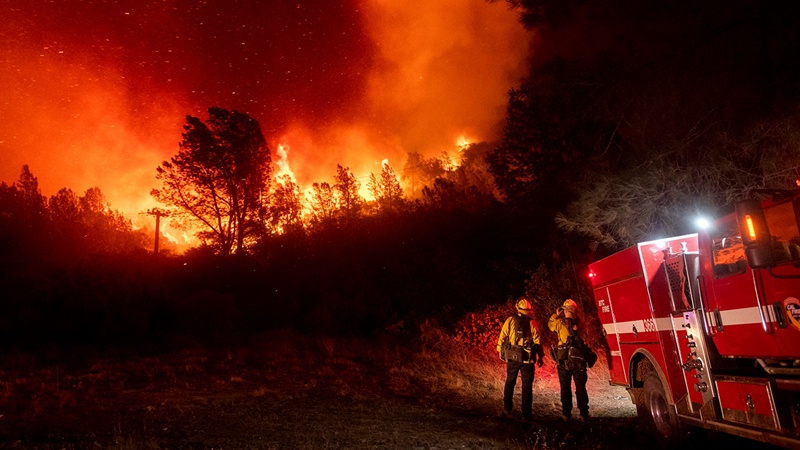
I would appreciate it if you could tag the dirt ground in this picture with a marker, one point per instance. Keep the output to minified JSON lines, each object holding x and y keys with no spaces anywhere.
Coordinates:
{"x":280,"y":393}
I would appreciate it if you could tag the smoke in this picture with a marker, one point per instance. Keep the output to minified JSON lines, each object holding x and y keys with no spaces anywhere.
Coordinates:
{"x":74,"y":122}
{"x":441,"y":73}
{"x":445,"y":72}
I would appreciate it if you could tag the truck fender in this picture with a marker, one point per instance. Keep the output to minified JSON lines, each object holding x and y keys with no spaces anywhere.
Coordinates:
{"x":642,"y":362}
{"x":653,"y":399}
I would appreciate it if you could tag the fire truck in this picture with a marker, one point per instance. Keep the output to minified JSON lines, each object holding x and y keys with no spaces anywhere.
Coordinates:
{"x":703,"y":329}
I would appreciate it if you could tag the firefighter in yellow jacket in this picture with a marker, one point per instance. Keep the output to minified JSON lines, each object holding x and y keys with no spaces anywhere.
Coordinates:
{"x":570,"y":356}
{"x":519,"y":346}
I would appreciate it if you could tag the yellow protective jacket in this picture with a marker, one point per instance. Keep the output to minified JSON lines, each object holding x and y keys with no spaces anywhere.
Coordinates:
{"x":509,"y":334}
{"x":563,"y":327}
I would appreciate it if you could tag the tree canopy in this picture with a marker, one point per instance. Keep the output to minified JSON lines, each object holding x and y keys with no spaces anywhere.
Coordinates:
{"x":219,"y":179}
{"x":387,"y":191}
{"x":348,"y":201}
{"x":61,"y":229}
{"x":635,"y":117}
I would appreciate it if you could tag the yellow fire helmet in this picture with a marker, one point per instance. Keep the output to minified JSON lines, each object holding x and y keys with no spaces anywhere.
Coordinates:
{"x":570,"y":305}
{"x":524,"y":306}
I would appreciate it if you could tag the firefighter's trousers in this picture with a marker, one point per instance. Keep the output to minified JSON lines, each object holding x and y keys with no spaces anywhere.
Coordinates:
{"x":565,"y":379}
{"x":527,"y":370}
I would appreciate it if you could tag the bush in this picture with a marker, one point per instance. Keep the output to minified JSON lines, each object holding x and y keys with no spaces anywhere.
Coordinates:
{"x":480,"y":329}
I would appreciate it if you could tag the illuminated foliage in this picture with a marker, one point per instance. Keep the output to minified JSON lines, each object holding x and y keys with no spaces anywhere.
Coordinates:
{"x":106,"y":230}
{"x":348,"y":201}
{"x":323,"y":204}
{"x":286,"y":207}
{"x":65,"y":206}
{"x":219,"y":179}
{"x":618,"y":210}
{"x":387,"y":190}
{"x":467,"y":186}
{"x":419,"y":172}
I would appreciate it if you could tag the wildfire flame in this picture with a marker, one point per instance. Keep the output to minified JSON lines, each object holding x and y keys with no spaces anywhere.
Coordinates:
{"x":462,"y":142}
{"x":283,"y":162}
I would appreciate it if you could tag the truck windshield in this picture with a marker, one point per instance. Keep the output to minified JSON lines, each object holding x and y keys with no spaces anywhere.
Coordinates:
{"x":783,"y":229}
{"x":728,"y":249}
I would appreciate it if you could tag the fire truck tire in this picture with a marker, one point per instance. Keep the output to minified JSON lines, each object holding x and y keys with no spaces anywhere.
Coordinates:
{"x":655,"y":410}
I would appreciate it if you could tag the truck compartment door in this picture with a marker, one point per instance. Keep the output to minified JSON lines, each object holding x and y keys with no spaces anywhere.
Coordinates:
{"x":616,"y":365}
{"x":682,"y":274}
{"x":748,"y":401}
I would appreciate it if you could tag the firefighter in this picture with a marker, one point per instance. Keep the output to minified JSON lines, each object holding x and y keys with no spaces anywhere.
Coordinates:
{"x":569,"y":356}
{"x":519,"y":346}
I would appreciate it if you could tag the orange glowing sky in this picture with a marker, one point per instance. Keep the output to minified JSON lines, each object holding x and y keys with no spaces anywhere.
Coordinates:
{"x":95,"y":93}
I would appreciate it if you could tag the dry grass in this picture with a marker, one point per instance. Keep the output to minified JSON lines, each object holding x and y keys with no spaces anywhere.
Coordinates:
{"x":285,"y":390}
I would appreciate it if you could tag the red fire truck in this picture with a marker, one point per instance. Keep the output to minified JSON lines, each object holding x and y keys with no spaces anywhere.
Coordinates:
{"x":704,"y":329}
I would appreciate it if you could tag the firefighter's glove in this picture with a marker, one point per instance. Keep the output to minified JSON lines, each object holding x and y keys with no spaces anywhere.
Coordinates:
{"x":541,"y":362}
{"x":500,"y":355}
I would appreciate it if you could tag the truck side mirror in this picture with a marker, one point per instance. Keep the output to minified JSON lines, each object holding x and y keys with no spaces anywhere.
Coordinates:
{"x":755,"y":234}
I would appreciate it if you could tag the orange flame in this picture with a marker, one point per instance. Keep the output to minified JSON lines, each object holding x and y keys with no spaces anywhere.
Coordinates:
{"x":283,"y":163}
{"x":462,"y":142}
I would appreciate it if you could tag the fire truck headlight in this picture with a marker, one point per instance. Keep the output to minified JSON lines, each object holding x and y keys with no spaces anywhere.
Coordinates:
{"x":703,"y":223}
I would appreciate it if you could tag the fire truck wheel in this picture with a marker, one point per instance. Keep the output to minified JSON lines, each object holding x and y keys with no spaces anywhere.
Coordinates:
{"x":659,"y":413}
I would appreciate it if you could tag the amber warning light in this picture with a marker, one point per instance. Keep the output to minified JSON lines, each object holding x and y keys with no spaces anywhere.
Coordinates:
{"x":751,"y":228}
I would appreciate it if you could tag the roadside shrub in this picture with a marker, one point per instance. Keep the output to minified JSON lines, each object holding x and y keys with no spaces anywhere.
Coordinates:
{"x":480,"y":329}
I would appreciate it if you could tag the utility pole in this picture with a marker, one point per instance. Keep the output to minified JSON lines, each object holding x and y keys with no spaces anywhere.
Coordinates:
{"x":159,"y":214}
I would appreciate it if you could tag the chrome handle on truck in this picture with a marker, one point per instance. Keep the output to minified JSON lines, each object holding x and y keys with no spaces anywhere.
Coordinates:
{"x":692,"y":364}
{"x":780,"y":318}
{"x":756,"y":284}
{"x":702,"y":301}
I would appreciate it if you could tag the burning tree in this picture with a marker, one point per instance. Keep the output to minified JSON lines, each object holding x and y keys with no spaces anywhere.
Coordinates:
{"x":322,"y":201}
{"x":349,"y":202}
{"x":286,"y":207}
{"x":387,"y":190}
{"x":219,"y":179}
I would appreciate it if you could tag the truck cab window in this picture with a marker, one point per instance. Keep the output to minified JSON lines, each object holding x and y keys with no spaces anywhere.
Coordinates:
{"x":783,"y":229}
{"x":728,"y":250}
